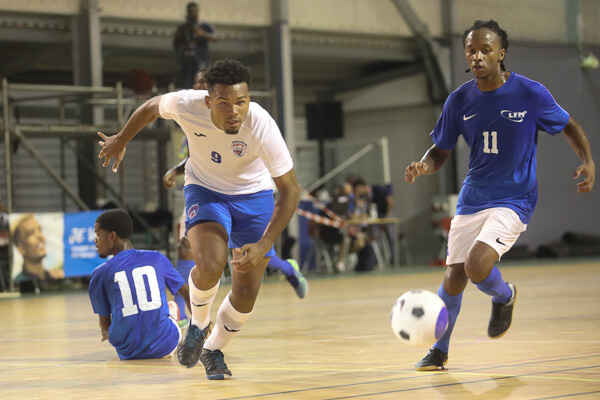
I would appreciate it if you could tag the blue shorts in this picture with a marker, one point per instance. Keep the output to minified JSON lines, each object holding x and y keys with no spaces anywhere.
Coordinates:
{"x":245,"y":216}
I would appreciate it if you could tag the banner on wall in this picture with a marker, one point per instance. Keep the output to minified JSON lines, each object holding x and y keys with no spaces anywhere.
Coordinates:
{"x":79,"y":249}
{"x":48,"y":246}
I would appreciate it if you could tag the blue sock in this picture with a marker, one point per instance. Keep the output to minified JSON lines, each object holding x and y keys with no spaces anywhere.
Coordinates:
{"x":183,"y":267}
{"x":283,"y":266}
{"x":453,"y":304}
{"x":495,"y":286}
{"x":181,"y":304}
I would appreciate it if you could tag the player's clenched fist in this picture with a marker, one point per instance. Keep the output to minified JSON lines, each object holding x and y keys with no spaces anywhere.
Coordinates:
{"x":414,"y":169}
{"x":588,"y":171}
{"x":169,"y":178}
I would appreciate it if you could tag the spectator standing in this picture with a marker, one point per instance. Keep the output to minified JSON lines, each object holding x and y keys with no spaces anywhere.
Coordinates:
{"x":191,"y":47}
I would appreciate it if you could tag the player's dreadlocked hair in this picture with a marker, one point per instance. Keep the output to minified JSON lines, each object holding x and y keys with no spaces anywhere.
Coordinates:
{"x":494,"y":27}
{"x":227,"y":72}
{"x":116,"y":220}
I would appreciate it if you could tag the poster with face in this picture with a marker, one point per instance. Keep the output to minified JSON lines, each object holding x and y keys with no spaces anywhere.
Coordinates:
{"x":38,"y":250}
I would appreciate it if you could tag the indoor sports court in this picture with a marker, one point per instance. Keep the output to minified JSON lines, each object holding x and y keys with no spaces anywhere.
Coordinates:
{"x":310,"y":186}
{"x":336,"y":344}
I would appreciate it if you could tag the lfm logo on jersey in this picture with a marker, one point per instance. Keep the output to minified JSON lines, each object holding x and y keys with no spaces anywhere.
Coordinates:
{"x":514,"y":116}
{"x":239,"y":148}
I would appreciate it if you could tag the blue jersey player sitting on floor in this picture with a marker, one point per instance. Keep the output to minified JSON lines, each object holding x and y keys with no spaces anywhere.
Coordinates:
{"x":128,"y":292}
{"x":498,"y":114}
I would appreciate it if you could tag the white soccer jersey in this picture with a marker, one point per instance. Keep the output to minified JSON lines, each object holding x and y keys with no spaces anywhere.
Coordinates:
{"x":231,"y":164}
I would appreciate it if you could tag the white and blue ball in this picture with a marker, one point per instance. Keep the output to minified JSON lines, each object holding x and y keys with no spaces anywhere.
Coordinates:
{"x":419,"y":317}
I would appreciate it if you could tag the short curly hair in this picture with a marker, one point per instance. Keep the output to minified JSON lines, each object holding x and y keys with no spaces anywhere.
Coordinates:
{"x":227,"y":72}
{"x":494,"y":27}
{"x":116,"y":220}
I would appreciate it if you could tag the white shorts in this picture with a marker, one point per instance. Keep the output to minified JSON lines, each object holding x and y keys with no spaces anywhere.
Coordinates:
{"x":498,"y":227}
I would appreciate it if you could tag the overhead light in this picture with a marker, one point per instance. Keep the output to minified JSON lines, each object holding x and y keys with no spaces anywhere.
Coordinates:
{"x":590,"y":62}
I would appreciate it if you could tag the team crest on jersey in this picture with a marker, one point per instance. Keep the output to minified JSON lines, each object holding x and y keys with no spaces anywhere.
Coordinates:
{"x":514,"y":116}
{"x":239,"y":148}
{"x":193,"y":211}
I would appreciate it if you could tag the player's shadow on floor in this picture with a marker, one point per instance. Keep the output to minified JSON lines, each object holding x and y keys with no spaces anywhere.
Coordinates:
{"x":453,"y":387}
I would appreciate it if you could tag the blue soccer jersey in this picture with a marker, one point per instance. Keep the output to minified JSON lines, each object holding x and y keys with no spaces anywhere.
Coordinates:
{"x":500,"y":127}
{"x":130,"y":288}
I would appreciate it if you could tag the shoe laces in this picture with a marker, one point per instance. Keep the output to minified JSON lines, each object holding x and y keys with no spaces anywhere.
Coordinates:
{"x":215,"y":360}
{"x":195,"y":334}
{"x":435,"y":354}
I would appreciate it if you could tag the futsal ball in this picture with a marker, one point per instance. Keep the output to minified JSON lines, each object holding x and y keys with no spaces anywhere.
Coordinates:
{"x":419,"y":317}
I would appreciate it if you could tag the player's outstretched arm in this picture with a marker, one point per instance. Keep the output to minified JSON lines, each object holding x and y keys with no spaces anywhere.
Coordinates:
{"x":113,"y":147}
{"x":579,"y":142}
{"x":430,"y":163}
{"x":252,"y":254}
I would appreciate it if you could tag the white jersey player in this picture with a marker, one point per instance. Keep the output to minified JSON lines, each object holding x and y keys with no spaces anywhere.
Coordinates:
{"x":235,"y":150}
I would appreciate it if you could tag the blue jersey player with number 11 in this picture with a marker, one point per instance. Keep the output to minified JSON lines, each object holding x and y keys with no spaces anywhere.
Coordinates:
{"x":128,"y":292}
{"x":498,"y":114}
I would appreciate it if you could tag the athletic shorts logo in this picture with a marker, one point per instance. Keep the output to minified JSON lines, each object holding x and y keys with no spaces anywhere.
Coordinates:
{"x":193,"y":211}
{"x":500,"y":242}
{"x":514,"y":116}
{"x":239,"y":148}
{"x":468,"y":117}
{"x":199,"y":134}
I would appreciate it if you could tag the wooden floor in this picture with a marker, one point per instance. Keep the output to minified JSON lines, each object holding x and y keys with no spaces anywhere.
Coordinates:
{"x":336,"y":344}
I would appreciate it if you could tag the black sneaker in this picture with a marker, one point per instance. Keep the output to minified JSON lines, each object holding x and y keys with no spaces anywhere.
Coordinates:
{"x":433,"y":361}
{"x":214,"y":363}
{"x":189,"y":350}
{"x":502,"y":315}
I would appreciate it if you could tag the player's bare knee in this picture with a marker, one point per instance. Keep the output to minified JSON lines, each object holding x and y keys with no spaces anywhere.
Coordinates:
{"x":480,"y":261}
{"x":455,"y":279}
{"x":477,"y":269}
{"x":207,"y":270}
{"x":472,"y":268}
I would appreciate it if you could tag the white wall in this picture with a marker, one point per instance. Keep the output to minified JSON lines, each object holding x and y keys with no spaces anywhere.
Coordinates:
{"x":66,"y":7}
{"x":361,"y":16}
{"x":531,"y":20}
{"x":538,"y":20}
{"x":228,"y":12}
{"x":590,"y":15}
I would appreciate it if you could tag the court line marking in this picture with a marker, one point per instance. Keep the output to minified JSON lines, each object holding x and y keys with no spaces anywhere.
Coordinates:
{"x":420,"y":375}
{"x":455,"y":383}
{"x":562,"y":396}
{"x":558,"y":377}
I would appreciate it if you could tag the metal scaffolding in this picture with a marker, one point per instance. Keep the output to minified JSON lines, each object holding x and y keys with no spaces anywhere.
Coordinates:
{"x":82,"y":95}
{"x":112,"y":97}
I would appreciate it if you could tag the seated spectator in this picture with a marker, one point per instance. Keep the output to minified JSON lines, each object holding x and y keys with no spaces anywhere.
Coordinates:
{"x":362,"y":235}
{"x":383,"y":200}
{"x":382,"y":197}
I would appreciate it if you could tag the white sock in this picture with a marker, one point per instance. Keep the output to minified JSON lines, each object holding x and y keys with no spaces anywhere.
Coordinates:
{"x":229,"y":322}
{"x":201,"y":302}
